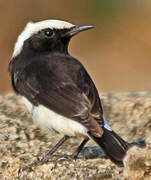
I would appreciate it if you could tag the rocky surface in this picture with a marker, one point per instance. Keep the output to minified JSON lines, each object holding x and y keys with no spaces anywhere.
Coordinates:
{"x":138,"y":163}
{"x":21,"y":142}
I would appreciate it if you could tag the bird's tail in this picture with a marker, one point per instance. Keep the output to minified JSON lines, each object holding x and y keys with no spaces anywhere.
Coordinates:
{"x":114,"y":146}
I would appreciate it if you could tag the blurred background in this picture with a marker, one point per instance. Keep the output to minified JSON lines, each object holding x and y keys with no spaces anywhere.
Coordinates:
{"x":117,"y":53}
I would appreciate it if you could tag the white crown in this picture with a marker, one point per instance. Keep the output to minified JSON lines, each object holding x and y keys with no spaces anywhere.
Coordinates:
{"x":32,"y":28}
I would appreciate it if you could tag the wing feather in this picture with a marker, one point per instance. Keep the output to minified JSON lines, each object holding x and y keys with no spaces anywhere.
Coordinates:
{"x":58,"y":92}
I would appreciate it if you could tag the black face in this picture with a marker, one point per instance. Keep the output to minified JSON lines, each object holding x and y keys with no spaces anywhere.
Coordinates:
{"x":51,"y":40}
{"x":48,"y":40}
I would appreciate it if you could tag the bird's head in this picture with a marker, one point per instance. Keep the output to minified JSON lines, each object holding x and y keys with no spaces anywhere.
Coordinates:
{"x":47,"y":36}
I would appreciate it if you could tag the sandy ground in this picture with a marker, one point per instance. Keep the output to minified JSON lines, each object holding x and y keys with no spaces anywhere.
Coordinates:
{"x":21,"y":142}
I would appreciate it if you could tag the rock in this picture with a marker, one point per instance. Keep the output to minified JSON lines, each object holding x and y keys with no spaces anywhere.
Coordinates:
{"x":138,"y":163}
{"x":21,"y":142}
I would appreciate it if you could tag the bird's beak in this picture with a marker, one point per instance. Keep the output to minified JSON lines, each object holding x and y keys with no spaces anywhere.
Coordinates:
{"x":76,"y":29}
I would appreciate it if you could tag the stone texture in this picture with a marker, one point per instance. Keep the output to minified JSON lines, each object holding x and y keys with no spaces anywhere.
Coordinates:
{"x":21,"y":142}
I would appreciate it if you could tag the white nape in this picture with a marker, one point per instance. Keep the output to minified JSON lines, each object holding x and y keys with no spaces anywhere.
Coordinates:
{"x":106,"y":125}
{"x":32,"y":28}
{"x":49,"y":121}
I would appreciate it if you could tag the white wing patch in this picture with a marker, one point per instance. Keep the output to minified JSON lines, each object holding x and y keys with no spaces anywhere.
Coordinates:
{"x":32,"y":28}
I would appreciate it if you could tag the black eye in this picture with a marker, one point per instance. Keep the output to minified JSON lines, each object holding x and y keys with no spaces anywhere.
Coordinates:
{"x":48,"y":32}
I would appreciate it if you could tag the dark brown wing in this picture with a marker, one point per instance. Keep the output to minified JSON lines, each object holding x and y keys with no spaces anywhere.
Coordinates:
{"x":44,"y":83}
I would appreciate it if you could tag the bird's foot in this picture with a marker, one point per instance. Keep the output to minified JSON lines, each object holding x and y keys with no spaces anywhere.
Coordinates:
{"x":43,"y":160}
{"x":74,"y":156}
{"x":39,"y":161}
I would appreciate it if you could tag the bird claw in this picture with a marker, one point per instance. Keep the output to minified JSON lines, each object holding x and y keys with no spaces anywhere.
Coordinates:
{"x":64,"y":158}
{"x":21,"y":169}
{"x":29,"y":166}
{"x":74,"y":156}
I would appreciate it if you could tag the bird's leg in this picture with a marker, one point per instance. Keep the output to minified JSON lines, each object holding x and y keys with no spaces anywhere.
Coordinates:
{"x":80,"y":147}
{"x":46,"y":156}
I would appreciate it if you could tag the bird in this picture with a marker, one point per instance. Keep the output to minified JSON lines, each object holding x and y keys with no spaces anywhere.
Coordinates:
{"x":58,"y":91}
